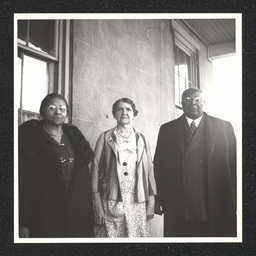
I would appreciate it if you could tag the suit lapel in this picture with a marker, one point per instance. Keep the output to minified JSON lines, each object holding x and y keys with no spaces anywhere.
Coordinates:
{"x":197,"y":141}
{"x":211,"y":130}
{"x":178,"y":133}
{"x":210,"y":133}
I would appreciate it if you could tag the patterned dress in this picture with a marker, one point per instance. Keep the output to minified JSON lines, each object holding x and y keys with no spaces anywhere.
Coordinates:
{"x":126,"y":218}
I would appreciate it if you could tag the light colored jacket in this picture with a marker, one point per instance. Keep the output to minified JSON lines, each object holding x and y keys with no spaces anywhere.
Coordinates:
{"x":105,"y":168}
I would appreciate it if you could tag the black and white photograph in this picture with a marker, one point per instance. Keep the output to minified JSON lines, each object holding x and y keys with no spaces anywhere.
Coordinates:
{"x":128,"y":128}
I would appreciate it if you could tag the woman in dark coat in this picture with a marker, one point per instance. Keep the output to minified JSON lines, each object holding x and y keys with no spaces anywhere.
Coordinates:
{"x":54,"y":184}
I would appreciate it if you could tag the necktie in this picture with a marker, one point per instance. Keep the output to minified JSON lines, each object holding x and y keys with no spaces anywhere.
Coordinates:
{"x":193,"y":127}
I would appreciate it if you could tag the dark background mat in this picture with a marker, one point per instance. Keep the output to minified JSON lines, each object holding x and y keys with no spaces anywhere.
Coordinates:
{"x":248,"y":10}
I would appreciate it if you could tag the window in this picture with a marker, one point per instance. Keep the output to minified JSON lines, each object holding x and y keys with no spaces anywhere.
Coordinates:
{"x":42,"y":68}
{"x":186,"y":67}
{"x":186,"y":72}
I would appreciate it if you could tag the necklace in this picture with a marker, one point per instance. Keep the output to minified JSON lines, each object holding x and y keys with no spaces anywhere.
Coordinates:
{"x":52,"y":134}
{"x":125,"y":137}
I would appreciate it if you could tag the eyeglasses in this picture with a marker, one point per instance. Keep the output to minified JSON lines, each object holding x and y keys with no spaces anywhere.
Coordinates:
{"x":189,"y":100}
{"x":53,"y":108}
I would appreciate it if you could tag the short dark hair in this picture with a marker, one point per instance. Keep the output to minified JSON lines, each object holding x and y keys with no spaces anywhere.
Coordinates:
{"x":191,"y":89}
{"x":126,"y":100}
{"x":49,"y":97}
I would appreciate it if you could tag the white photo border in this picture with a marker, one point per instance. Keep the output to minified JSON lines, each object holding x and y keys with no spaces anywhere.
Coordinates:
{"x":90,"y":16}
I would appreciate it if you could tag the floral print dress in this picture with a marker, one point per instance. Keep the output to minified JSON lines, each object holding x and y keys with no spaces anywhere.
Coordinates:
{"x":126,"y":218}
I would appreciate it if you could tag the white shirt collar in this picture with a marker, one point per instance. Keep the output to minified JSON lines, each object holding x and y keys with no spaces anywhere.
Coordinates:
{"x":197,"y":121}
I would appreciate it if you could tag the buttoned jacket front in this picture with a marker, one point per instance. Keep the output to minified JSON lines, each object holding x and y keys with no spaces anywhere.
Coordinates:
{"x":105,"y":168}
{"x":220,"y":174}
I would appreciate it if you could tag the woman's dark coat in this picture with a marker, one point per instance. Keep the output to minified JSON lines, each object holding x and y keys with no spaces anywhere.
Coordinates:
{"x":44,"y":205}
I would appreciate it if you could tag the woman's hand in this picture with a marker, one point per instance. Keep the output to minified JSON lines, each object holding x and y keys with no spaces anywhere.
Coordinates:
{"x":99,"y":215}
{"x":150,"y":207}
{"x":24,"y":232}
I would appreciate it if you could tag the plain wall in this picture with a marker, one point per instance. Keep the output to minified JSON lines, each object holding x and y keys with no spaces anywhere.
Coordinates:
{"x":126,"y":58}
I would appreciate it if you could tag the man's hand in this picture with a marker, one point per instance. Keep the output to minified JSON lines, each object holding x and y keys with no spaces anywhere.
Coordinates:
{"x":158,"y":209}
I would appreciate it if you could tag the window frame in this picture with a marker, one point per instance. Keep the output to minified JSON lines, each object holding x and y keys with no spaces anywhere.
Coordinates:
{"x":57,"y":39}
{"x":58,"y":64}
{"x":187,"y":44}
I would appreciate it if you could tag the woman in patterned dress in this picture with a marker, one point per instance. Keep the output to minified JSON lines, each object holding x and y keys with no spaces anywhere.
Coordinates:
{"x":123,"y":183}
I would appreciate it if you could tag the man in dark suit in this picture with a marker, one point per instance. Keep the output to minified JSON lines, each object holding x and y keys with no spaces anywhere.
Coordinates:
{"x":195,"y":170}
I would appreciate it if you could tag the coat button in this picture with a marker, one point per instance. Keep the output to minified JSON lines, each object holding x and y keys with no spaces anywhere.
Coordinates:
{"x":124,"y":163}
{"x":125,"y":173}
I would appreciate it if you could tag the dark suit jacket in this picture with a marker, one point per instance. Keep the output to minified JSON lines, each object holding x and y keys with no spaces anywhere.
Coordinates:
{"x":220,"y":158}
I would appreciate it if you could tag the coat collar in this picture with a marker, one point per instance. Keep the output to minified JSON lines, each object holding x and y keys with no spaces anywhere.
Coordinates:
{"x":31,"y":137}
{"x":198,"y":138}
{"x":178,"y":132}
{"x":211,"y":130}
{"x":112,"y":142}
{"x":140,"y":146}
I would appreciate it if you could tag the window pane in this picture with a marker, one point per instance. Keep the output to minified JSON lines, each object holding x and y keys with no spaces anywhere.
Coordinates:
{"x":35,"y":83}
{"x":183,"y":86}
{"x":188,"y":61}
{"x":183,"y":70}
{"x":177,"y":90}
{"x":41,"y":35}
{"x":182,"y":64}
{"x":181,"y":57}
{"x":18,"y":84}
{"x":176,"y":62}
{"x":22,"y":31}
